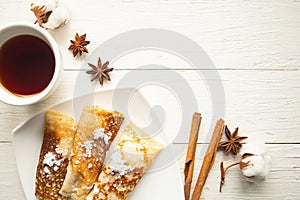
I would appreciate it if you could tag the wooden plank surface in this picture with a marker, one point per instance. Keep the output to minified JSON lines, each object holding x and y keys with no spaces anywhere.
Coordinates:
{"x":236,"y":34}
{"x":254,"y":46}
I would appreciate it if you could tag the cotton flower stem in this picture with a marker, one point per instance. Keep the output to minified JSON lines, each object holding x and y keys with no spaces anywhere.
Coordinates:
{"x":223,"y":171}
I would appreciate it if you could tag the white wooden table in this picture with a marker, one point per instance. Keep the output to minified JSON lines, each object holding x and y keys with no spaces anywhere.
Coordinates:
{"x":254,"y":46}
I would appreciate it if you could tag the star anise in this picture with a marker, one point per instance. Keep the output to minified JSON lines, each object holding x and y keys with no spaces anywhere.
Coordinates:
{"x":41,"y":15}
{"x":233,"y":143}
{"x":78,"y":46}
{"x":100,"y":72}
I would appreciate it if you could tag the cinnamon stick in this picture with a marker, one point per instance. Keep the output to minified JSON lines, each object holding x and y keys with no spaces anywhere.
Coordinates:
{"x":190,"y":156}
{"x":209,"y":159}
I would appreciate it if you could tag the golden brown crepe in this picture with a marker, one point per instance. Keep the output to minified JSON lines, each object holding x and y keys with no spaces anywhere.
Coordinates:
{"x":59,"y":131}
{"x":131,"y":158}
{"x":96,"y":130}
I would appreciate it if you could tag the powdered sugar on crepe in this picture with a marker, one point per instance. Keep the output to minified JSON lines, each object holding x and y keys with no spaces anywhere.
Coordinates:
{"x":99,"y":134}
{"x":88,"y":145}
{"x":117,"y":164}
{"x":50,"y":160}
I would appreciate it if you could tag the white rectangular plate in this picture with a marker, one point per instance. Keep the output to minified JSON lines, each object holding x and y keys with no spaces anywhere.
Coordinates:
{"x":160,"y":183}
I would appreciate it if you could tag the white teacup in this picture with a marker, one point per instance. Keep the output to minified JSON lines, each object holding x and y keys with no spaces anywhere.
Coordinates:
{"x":22,"y":28}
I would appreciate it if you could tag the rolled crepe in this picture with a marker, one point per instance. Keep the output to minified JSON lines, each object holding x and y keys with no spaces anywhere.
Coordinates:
{"x":96,"y":130}
{"x":133,"y":155}
{"x":59,"y":131}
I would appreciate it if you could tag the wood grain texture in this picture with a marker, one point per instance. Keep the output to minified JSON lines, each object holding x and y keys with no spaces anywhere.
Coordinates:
{"x":236,"y":34}
{"x":254,"y":46}
{"x":10,"y":187}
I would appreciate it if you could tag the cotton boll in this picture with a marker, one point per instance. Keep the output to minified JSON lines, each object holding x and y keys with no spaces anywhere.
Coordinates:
{"x":255,"y":168}
{"x":58,"y":18}
{"x":50,"y":14}
{"x":255,"y":161}
{"x":50,"y":5}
